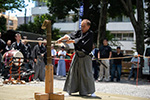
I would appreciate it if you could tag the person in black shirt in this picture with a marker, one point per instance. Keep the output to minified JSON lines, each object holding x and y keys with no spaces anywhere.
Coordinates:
{"x":117,"y":65}
{"x":105,"y":51}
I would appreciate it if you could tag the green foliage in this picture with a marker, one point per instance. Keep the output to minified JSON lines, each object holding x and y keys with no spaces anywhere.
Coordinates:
{"x":55,"y":34}
{"x":11,"y":4}
{"x":61,"y":8}
{"x":35,"y":27}
{"x":2,"y":24}
{"x":109,"y":35}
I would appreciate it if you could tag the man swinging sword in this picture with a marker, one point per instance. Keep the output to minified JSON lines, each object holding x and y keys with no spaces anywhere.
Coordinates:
{"x":80,"y":78}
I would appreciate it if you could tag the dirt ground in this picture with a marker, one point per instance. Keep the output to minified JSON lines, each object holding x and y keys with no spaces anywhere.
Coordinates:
{"x":26,"y":92}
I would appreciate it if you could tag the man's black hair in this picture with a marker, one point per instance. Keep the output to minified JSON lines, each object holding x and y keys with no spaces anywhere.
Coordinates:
{"x":105,"y":39}
{"x":118,"y":47}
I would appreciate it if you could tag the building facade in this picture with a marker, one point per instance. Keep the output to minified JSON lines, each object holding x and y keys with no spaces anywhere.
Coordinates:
{"x":11,"y":22}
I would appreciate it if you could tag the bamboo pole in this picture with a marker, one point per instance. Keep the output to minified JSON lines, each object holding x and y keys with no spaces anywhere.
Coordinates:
{"x":49,"y":66}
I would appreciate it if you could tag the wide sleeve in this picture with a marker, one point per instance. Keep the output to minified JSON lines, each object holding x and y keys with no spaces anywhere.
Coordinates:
{"x":34,"y":56}
{"x":74,"y":35}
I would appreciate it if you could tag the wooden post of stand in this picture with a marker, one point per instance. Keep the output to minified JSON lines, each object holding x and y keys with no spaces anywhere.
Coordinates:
{"x":48,"y":95}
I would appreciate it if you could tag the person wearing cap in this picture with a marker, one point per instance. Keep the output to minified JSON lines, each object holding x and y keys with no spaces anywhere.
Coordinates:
{"x":135,"y":61}
{"x":61,"y":68}
{"x":38,"y":55}
{"x":117,"y":65}
{"x":80,"y":76}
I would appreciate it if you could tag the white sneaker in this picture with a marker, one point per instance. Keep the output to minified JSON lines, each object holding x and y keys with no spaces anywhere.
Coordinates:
{"x":93,"y":95}
{"x":66,"y":94}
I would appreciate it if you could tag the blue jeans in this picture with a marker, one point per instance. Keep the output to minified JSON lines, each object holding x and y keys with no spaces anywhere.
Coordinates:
{"x":114,"y":68}
{"x":133,"y":71}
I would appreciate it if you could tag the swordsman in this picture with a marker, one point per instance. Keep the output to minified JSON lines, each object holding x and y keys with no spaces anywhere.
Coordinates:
{"x":80,"y":77}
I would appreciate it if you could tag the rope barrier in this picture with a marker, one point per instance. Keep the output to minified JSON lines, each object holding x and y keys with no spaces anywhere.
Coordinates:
{"x":112,"y":58}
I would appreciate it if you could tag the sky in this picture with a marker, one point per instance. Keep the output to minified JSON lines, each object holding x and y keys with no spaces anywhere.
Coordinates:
{"x":18,"y":13}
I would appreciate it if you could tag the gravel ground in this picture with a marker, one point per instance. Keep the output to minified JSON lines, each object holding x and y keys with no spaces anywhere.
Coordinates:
{"x":123,"y":87}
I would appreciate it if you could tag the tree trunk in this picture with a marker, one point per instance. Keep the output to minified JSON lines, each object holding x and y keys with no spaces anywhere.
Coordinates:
{"x":140,"y":27}
{"x":102,"y":22}
{"x":86,"y":5}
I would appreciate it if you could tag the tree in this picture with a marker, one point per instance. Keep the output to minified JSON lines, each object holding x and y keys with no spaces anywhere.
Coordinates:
{"x":102,"y":22}
{"x":2,"y":24}
{"x":147,"y":25}
{"x":138,"y":23}
{"x":35,"y":27}
{"x":11,"y":4}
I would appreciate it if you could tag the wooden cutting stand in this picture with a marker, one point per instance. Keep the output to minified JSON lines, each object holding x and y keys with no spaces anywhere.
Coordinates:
{"x":49,"y":94}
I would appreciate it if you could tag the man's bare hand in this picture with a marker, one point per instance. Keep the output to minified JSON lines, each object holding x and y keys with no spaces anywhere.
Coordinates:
{"x":35,"y":60}
{"x":70,"y":41}
{"x":58,"y":41}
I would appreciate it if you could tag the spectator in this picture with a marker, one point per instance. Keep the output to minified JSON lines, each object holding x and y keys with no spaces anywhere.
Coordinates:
{"x":2,"y":48}
{"x":8,"y":46}
{"x":61,"y":68}
{"x":117,"y":66}
{"x":135,"y":61}
{"x":18,"y":45}
{"x":94,"y":62}
{"x":45,"y":55}
{"x":105,"y":51}
{"x":38,"y":55}
{"x":27,"y":53}
{"x":53,"y":54}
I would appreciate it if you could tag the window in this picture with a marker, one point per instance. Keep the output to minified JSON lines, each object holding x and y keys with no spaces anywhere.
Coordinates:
{"x":119,"y":19}
{"x":147,"y":52}
{"x":123,"y":36}
{"x":10,"y":22}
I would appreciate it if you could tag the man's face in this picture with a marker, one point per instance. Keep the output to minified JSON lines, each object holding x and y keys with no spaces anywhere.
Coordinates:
{"x":105,"y":42}
{"x":118,"y":50}
{"x":93,"y":46}
{"x":84,"y":27}
{"x":18,"y":37}
{"x":40,"y":43}
{"x":8,"y":42}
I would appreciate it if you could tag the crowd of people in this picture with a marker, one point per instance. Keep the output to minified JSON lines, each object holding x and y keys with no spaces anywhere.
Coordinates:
{"x":102,"y":73}
{"x":36,"y":59}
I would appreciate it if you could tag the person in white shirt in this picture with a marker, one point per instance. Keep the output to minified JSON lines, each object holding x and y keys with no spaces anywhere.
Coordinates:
{"x":61,"y":68}
{"x":53,"y":54}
